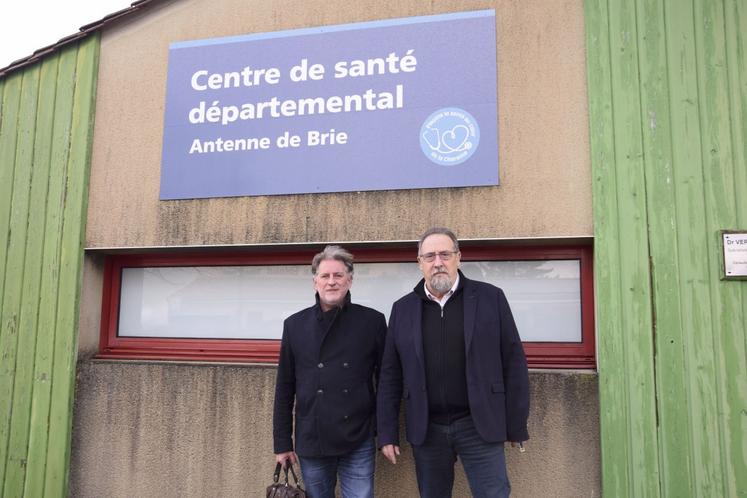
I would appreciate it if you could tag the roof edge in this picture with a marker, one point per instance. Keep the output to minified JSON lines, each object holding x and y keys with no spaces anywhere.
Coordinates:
{"x":83,"y":32}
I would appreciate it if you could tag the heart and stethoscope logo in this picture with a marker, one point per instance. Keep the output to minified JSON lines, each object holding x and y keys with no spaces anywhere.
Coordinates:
{"x":449,"y":136}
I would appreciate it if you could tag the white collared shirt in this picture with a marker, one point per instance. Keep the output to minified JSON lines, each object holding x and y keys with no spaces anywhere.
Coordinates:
{"x":442,"y":301}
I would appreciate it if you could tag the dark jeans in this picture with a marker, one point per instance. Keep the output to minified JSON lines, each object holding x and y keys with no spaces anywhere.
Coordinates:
{"x":356,"y":470}
{"x":484,"y":463}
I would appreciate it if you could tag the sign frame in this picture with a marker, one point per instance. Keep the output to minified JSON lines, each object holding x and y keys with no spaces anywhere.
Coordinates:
{"x":728,"y":272}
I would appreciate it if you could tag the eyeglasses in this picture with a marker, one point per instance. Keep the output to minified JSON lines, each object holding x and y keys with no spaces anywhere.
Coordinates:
{"x":429,"y":257}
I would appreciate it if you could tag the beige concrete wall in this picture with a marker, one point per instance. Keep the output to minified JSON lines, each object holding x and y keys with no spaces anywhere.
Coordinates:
{"x":91,"y":296}
{"x":182,"y":431}
{"x":544,"y":146}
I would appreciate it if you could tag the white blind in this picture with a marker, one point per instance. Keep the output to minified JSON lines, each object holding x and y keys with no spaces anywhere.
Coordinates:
{"x":251,"y":302}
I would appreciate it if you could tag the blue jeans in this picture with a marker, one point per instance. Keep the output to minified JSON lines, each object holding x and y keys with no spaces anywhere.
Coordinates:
{"x":356,"y":471}
{"x":484,"y":463}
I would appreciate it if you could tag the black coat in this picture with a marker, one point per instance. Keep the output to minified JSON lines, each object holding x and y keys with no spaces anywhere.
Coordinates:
{"x":496,"y":371}
{"x":328,"y":367}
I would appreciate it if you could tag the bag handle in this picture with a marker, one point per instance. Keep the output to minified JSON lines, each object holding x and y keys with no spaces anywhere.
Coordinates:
{"x":293,"y":473}
{"x":276,"y":475}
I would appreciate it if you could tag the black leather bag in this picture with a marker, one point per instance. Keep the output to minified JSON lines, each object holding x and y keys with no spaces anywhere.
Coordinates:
{"x":285,"y":490}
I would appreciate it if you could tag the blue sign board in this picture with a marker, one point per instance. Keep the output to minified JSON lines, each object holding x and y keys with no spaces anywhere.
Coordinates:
{"x":397,"y":104}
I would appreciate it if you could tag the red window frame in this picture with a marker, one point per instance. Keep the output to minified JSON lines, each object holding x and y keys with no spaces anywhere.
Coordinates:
{"x":111,"y":346}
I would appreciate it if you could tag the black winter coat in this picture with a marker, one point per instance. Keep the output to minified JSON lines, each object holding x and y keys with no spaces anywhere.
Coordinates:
{"x":496,"y":370}
{"x":328,"y":368}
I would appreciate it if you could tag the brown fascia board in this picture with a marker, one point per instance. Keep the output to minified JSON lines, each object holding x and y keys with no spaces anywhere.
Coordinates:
{"x":83,"y":32}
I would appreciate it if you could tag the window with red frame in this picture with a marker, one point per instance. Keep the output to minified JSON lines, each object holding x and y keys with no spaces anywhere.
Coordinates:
{"x":230,"y":307}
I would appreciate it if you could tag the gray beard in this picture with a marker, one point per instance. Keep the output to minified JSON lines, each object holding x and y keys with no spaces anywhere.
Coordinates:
{"x":441,"y":283}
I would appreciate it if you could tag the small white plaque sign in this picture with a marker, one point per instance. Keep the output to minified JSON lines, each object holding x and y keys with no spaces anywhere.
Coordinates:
{"x":735,"y":254}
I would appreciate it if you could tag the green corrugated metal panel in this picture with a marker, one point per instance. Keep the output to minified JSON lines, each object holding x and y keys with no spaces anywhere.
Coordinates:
{"x":668,"y":103}
{"x":46,"y":124}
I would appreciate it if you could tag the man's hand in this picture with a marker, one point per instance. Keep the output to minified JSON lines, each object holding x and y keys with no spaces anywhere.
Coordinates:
{"x":281,"y":458}
{"x":391,"y":452}
{"x":520,"y":444}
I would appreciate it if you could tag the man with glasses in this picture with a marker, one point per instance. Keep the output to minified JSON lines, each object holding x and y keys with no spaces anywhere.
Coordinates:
{"x":330,"y":356}
{"x":454,"y":354}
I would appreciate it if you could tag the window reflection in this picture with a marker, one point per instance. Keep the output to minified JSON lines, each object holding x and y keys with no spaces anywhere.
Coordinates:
{"x":251,"y":302}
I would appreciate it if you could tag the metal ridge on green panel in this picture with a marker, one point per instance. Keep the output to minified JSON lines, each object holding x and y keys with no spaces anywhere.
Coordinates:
{"x":613,"y":423}
{"x":724,"y":408}
{"x":14,"y":273}
{"x":30,"y":298}
{"x":71,"y":260}
{"x":42,"y":380}
{"x":671,"y":382}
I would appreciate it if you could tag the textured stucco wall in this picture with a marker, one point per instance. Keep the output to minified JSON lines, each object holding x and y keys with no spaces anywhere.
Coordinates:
{"x":543,"y":127}
{"x":89,"y":320}
{"x":176,"y":430}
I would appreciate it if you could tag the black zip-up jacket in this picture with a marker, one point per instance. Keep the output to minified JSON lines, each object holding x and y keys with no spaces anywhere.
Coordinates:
{"x":328,"y":366}
{"x":445,"y":360}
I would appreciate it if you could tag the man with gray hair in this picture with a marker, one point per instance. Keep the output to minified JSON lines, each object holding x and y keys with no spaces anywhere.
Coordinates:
{"x":330,"y":356}
{"x":454,"y":354}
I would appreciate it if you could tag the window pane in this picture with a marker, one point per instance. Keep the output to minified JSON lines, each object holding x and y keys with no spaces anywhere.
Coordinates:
{"x":212,"y":302}
{"x":545,"y":296}
{"x":251,"y":302}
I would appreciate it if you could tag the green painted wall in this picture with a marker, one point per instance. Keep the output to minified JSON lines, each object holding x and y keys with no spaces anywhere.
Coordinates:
{"x":46,"y":123}
{"x":668,"y":109}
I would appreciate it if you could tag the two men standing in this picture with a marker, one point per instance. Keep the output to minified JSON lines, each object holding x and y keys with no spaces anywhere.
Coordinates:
{"x":452,"y":352}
